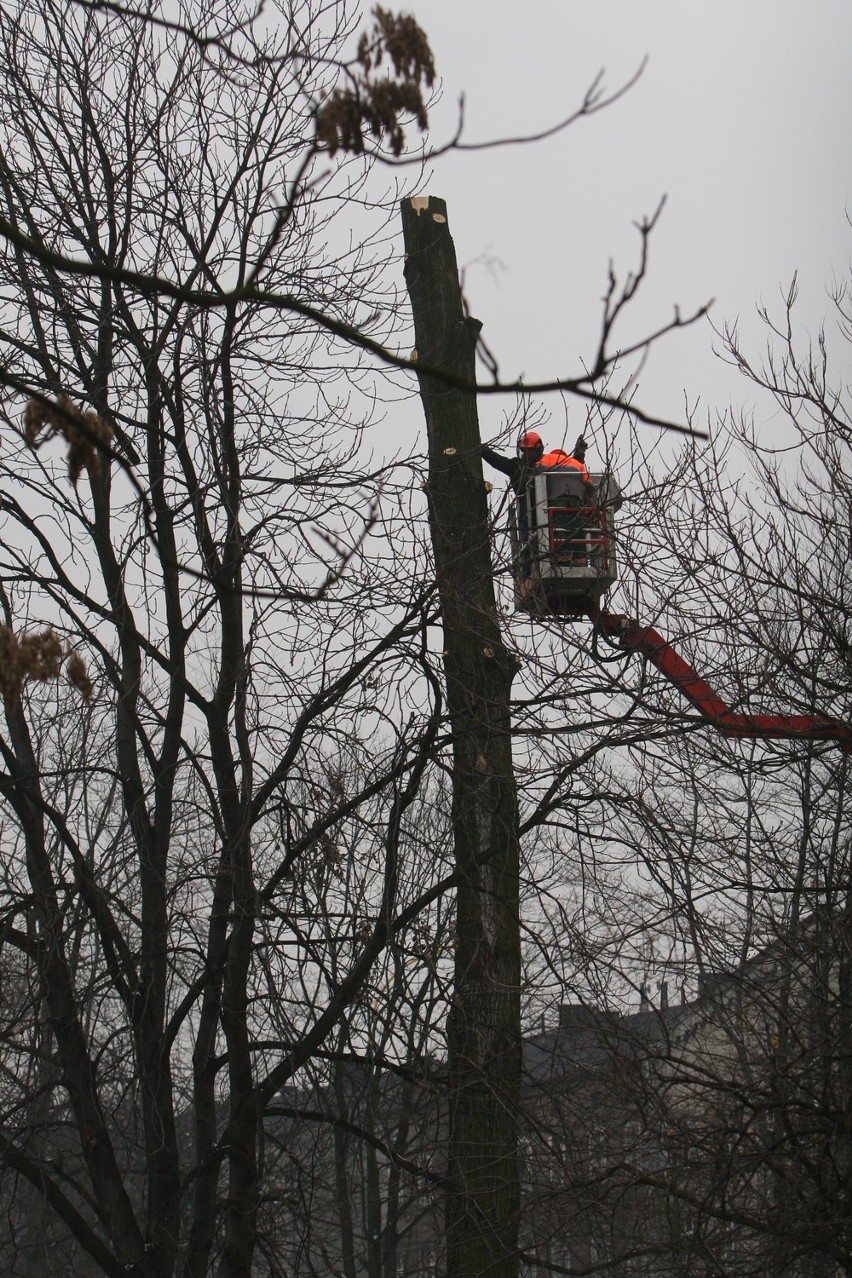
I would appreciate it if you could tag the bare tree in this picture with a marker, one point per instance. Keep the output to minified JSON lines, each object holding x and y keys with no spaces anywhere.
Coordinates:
{"x":690,"y":1113}
{"x":172,"y":855}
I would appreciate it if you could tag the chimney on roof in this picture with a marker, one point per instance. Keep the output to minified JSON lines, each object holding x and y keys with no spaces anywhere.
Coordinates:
{"x":644,"y":1001}
{"x":664,"y":995}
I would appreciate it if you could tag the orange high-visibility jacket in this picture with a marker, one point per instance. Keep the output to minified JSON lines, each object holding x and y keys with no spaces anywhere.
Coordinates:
{"x":558,"y":457}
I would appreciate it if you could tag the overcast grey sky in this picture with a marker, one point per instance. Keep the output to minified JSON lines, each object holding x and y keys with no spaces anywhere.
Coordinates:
{"x":741,"y":118}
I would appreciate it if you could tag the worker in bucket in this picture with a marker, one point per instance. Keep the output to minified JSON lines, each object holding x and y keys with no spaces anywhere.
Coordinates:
{"x":520,"y":471}
{"x":570,"y":504}
{"x":531,"y":458}
{"x":575,"y":460}
{"x":520,"y":468}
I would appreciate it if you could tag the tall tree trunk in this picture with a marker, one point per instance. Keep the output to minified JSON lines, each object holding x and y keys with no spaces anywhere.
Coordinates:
{"x":483,"y":1032}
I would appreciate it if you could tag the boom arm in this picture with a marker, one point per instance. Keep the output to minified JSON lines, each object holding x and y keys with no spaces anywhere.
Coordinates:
{"x":627,"y":634}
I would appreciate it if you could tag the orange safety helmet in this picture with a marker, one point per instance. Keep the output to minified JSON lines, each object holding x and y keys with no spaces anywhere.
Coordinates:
{"x":530,"y":443}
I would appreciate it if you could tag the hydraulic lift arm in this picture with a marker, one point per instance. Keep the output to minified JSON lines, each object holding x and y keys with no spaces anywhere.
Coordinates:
{"x":627,"y":634}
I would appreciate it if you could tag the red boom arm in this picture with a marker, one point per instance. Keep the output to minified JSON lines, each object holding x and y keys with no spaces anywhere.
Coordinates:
{"x":626,"y":633}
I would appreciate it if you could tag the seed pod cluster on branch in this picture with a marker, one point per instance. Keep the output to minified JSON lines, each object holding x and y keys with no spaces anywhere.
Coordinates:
{"x":374,"y":106}
{"x":37,"y":656}
{"x":84,"y":432}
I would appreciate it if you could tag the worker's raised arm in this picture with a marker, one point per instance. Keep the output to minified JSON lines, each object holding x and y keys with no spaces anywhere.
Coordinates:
{"x":508,"y":465}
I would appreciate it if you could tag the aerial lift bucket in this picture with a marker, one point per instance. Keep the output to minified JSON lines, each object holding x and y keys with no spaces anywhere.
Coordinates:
{"x":564,"y":558}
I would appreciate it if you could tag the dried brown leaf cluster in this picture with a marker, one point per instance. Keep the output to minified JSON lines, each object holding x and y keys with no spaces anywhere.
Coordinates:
{"x":377,"y":106}
{"x":78,"y":676}
{"x":84,"y":432}
{"x":404,"y":42}
{"x":37,"y":656}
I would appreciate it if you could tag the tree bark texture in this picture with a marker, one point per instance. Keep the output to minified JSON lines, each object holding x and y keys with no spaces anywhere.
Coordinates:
{"x":483,"y":1031}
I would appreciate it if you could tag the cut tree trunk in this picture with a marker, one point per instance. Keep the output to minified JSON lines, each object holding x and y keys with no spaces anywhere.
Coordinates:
{"x":483,"y":1031}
